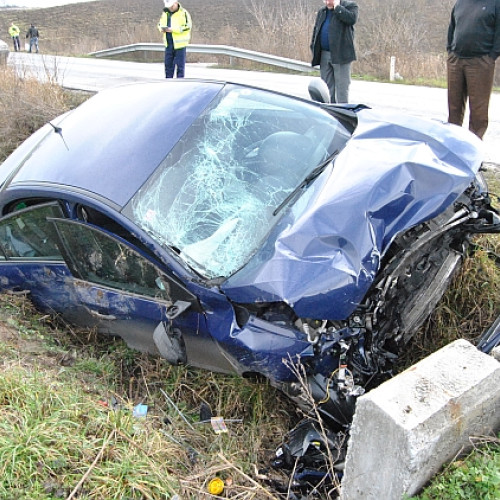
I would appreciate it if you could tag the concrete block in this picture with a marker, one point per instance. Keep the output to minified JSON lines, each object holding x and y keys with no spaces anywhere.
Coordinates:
{"x":496,"y":353}
{"x":4,"y":53}
{"x":407,"y":428}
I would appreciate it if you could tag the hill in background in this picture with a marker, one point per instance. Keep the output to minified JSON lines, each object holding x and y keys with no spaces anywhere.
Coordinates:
{"x":412,"y":32}
{"x":89,"y":26}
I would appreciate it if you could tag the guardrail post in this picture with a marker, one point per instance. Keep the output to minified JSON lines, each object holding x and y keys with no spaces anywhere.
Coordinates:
{"x":392,"y":70}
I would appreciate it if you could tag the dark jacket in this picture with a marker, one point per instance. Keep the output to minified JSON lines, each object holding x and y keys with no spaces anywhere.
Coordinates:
{"x":32,"y":32}
{"x":474,"y":29}
{"x":341,"y":33}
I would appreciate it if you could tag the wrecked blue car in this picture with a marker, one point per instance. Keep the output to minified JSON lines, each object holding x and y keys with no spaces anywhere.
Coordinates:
{"x":244,"y":231}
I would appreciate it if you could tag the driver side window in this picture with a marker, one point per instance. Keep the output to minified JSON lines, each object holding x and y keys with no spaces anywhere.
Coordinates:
{"x":99,"y":258}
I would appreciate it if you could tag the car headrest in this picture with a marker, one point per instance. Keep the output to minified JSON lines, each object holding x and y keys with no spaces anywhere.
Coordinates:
{"x":285,"y":147}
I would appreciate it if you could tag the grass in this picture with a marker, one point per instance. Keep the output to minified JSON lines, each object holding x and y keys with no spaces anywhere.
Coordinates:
{"x":67,"y":399}
{"x":68,"y":427}
{"x":420,"y":81}
{"x":67,"y":396}
{"x":26,"y":105}
{"x":474,"y":476}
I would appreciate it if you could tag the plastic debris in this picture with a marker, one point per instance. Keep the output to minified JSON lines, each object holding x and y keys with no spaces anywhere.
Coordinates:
{"x":218,"y":425}
{"x":111,"y":404}
{"x":140,"y":411}
{"x":215,"y":486}
{"x":305,"y":455}
{"x":205,"y":412}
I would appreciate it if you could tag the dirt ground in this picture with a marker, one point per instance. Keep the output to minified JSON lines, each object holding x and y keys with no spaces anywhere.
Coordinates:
{"x":18,"y":348}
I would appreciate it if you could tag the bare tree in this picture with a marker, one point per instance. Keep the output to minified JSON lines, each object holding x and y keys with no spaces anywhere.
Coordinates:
{"x":285,"y":27}
{"x":413,"y":32}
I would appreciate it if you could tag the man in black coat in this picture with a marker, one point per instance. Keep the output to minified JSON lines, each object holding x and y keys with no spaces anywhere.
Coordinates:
{"x":473,"y":47}
{"x":332,"y":46}
{"x":33,"y":35}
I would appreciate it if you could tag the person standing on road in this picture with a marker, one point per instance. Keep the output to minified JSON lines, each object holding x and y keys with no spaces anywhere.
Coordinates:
{"x":33,"y":35}
{"x":473,"y":47}
{"x":332,"y":46}
{"x":14,"y":33}
{"x":175,"y":24}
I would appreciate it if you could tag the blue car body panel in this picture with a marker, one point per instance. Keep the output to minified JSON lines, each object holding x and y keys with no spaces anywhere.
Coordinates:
{"x":258,"y":346}
{"x":50,"y":285}
{"x":322,"y":257}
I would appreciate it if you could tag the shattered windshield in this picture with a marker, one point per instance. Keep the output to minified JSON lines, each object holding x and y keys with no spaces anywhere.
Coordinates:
{"x":212,"y":198}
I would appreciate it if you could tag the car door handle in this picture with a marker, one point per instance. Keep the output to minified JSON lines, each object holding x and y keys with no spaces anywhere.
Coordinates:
{"x":95,"y":314}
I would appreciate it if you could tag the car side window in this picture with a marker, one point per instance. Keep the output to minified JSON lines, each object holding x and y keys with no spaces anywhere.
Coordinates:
{"x":26,"y":234}
{"x":95,"y":256}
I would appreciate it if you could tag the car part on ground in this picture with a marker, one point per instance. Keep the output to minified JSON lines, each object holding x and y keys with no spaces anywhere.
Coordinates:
{"x":490,"y":338}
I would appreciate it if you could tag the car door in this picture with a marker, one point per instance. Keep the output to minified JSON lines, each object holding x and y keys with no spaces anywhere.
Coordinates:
{"x":129,"y":296}
{"x":31,"y":263}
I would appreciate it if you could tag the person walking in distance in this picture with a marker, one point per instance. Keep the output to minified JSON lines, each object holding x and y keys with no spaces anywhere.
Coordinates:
{"x":332,"y":46}
{"x":33,"y":35}
{"x":175,"y":24}
{"x":473,"y":47}
{"x":14,"y":33}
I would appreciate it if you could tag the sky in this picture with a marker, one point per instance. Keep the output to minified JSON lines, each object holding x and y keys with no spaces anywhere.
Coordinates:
{"x":37,"y":3}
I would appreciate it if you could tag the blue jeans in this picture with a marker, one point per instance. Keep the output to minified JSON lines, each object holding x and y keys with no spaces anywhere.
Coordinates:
{"x":34,"y":42}
{"x":175,"y":59}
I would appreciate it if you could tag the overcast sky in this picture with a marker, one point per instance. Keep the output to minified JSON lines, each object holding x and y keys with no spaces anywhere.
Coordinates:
{"x":37,"y":3}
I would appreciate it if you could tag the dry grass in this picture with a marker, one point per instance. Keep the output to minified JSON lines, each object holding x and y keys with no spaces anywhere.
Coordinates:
{"x":25,"y":105}
{"x":471,"y":304}
{"x":71,"y":393}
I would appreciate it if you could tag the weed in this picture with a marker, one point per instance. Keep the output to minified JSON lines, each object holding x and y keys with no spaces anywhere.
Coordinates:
{"x":474,"y":476}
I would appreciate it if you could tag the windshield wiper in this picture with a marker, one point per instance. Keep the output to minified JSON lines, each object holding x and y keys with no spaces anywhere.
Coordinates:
{"x":317,"y":171}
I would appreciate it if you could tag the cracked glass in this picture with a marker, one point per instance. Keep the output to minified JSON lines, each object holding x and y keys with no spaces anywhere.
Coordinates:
{"x":211,"y":201}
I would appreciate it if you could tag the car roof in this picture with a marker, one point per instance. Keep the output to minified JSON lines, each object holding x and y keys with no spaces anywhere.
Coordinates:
{"x":110,"y":145}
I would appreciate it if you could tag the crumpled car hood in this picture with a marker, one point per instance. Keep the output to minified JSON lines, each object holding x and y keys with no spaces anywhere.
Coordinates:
{"x":324,"y":254}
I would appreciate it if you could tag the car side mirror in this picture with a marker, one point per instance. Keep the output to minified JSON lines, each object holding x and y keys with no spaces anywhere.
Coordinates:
{"x":318,"y":91}
{"x":180,"y":299}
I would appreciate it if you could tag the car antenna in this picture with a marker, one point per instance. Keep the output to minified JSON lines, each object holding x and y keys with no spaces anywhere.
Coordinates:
{"x":58,"y":130}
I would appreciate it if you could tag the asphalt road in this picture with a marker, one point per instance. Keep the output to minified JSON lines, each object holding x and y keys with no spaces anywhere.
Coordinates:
{"x":96,"y":74}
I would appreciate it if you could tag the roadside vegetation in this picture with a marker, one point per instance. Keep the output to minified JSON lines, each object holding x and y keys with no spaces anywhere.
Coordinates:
{"x":26,"y":105}
{"x":474,"y":476}
{"x":67,"y":397}
{"x":71,"y":426}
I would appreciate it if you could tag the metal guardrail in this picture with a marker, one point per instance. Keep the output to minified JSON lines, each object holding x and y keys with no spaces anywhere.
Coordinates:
{"x":225,"y":50}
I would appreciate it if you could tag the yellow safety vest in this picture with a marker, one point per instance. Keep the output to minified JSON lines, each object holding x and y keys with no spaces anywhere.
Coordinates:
{"x":14,"y":31}
{"x":181,"y":24}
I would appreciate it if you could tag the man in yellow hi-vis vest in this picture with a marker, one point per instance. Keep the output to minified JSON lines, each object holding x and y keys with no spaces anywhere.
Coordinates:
{"x":175,"y":24}
{"x":14,"y":33}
